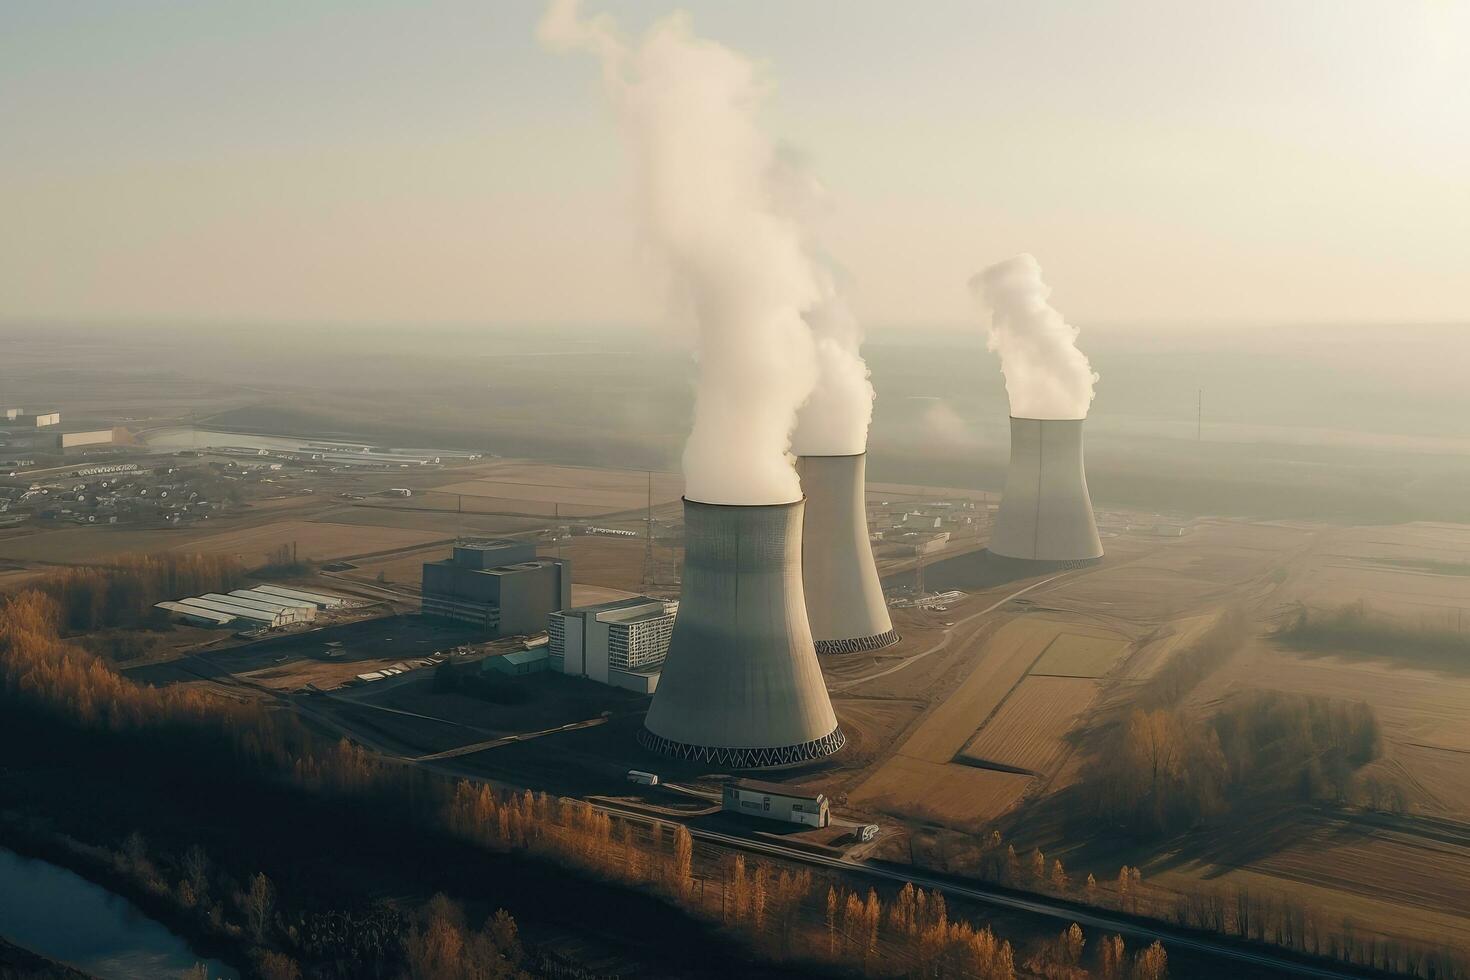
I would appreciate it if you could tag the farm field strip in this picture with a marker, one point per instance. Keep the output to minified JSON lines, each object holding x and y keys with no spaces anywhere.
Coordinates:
{"x":944,"y":792}
{"x":1028,"y":730}
{"x":1078,"y":654}
{"x":312,"y":539}
{"x":1006,"y":658}
{"x":621,"y":499}
{"x":923,"y":768}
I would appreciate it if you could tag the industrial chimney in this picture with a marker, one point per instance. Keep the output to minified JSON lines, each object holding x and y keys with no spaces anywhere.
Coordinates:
{"x":741,"y":687}
{"x":1046,"y":513}
{"x":844,"y":600}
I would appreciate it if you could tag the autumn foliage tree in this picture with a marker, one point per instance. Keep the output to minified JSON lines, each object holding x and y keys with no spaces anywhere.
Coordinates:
{"x":123,"y":592}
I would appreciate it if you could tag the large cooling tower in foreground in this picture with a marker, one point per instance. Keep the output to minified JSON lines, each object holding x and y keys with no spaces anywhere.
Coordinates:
{"x":844,"y":601}
{"x":741,"y":687}
{"x":1046,"y":513}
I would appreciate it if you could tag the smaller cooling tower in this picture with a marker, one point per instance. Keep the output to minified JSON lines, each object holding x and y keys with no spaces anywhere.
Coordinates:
{"x":1046,"y":513}
{"x":844,"y":600}
{"x":741,"y":687}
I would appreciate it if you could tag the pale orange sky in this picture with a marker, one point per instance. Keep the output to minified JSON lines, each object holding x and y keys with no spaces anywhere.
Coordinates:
{"x":405,"y":162}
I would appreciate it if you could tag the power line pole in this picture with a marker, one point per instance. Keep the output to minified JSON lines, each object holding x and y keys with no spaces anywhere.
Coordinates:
{"x":1199,"y":417}
{"x":648,"y":558}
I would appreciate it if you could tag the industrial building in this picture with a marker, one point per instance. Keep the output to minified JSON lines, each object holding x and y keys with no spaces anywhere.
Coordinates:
{"x":518,"y":662}
{"x":21,"y":418}
{"x":250,"y":615}
{"x":622,"y":642}
{"x":1046,"y":513}
{"x":322,"y":600}
{"x":195,"y":616}
{"x":257,"y":607}
{"x":773,"y":801}
{"x":255,"y":595}
{"x":844,"y":600}
{"x":498,"y":585}
{"x":741,"y":686}
{"x":288,"y":612}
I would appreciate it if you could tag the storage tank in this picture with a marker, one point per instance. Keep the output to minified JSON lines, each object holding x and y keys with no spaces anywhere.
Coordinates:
{"x":1046,"y":513}
{"x":844,"y":599}
{"x":741,"y":687}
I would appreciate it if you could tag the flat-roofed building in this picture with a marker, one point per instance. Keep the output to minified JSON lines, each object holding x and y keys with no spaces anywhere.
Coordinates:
{"x":500,"y":586}
{"x":518,"y":662}
{"x":622,"y":642}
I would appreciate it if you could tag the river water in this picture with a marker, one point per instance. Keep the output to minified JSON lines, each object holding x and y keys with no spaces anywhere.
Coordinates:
{"x":63,"y":916}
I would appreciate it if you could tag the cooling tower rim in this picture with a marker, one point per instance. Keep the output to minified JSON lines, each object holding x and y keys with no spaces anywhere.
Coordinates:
{"x":1032,"y":418}
{"x":831,"y":455}
{"x":775,"y":506}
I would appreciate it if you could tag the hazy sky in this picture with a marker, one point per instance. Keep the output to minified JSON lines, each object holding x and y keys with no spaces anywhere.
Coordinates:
{"x":363,"y":160}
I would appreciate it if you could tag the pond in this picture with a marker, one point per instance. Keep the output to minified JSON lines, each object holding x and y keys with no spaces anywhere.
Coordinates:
{"x":63,"y":916}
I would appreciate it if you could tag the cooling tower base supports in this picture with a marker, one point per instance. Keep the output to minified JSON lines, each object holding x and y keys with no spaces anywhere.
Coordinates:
{"x":736,"y":758}
{"x":858,"y":644}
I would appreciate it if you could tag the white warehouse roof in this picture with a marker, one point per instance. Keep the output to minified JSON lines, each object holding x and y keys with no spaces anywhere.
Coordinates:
{"x":323,"y":600}
{"x":256,"y":595}
{"x":195,"y":612}
{"x":239,"y":612}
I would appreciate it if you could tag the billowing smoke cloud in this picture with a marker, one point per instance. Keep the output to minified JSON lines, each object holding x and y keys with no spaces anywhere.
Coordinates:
{"x":708,"y":180}
{"x":834,"y":420}
{"x":1047,"y":377}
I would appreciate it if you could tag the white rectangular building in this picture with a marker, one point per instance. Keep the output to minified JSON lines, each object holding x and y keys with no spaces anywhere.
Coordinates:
{"x":622,"y":643}
{"x":776,"y":801}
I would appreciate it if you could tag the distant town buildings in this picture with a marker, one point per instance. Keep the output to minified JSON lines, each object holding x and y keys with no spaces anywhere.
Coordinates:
{"x":44,"y":432}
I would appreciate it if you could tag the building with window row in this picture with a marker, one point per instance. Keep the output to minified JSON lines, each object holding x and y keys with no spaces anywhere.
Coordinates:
{"x":622,"y":642}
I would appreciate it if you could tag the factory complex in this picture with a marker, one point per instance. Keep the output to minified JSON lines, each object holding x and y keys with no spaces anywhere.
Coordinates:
{"x":733,"y":666}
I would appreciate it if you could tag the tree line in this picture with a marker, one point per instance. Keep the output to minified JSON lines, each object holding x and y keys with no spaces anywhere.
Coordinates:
{"x":123,"y":592}
{"x":1356,"y":627}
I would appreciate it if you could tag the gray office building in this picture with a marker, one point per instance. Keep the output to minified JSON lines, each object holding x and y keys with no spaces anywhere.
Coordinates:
{"x":498,"y":585}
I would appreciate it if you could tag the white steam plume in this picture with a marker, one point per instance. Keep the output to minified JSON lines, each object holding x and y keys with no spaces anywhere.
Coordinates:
{"x":707,"y":176}
{"x":834,"y":421}
{"x":1047,"y":377}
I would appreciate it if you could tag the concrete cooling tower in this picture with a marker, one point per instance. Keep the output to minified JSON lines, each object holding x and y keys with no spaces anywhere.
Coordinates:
{"x":741,"y":687}
{"x":1046,"y":513}
{"x":844,"y":600}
